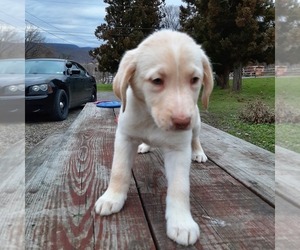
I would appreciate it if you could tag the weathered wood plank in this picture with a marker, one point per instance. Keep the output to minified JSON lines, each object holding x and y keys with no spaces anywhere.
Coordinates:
{"x":288,"y":174}
{"x":230,"y":216}
{"x":287,"y":199}
{"x":253,"y":166}
{"x":62,"y":187}
{"x":60,"y":195}
{"x":12,"y":189}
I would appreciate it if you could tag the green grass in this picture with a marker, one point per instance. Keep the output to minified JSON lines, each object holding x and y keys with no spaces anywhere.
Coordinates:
{"x":288,"y":89}
{"x":104,"y":87}
{"x":225,"y":107}
{"x":287,"y":103}
{"x":288,"y":136}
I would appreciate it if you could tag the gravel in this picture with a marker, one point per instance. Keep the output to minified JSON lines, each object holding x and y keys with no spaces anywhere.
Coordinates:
{"x":38,"y":127}
{"x":10,"y":134}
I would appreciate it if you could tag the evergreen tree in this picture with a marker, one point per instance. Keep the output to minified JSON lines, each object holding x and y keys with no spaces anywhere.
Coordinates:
{"x":287,"y":31}
{"x":128,"y":22}
{"x":232,"y":32}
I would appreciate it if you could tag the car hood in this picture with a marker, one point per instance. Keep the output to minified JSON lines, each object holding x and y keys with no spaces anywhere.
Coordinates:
{"x":10,"y":79}
{"x":31,"y":79}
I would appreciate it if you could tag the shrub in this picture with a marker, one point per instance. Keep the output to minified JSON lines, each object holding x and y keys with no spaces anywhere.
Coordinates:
{"x":257,"y":112}
{"x":286,"y":113}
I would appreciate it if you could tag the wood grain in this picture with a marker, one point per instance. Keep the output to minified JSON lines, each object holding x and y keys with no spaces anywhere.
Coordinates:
{"x":230,"y":215}
{"x":12,"y":189}
{"x":287,"y":199}
{"x":251,"y":165}
{"x":63,"y":183}
{"x":60,"y":195}
{"x":288,"y":175}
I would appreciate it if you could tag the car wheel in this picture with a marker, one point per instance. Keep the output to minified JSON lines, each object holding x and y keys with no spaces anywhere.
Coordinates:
{"x":94,"y":95}
{"x":60,"y":106}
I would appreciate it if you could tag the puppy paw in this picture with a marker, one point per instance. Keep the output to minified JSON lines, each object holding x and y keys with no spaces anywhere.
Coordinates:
{"x":183,"y":231}
{"x":199,"y":156}
{"x":143,"y":148}
{"x":110,"y":203}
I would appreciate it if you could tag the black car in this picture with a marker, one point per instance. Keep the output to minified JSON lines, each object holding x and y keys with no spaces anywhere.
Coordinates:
{"x":54,"y":86}
{"x":12,"y":89}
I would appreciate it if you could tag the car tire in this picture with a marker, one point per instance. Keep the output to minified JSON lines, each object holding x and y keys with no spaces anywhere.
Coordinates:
{"x":94,"y":95}
{"x":60,"y":106}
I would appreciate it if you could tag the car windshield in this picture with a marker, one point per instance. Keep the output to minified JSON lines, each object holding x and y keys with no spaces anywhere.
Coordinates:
{"x":12,"y":66}
{"x":44,"y":67}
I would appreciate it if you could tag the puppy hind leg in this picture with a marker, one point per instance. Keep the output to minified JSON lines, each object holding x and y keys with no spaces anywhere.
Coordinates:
{"x":198,"y":154}
{"x":114,"y":197}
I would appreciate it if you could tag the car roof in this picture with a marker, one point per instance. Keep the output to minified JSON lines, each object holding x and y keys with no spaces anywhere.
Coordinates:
{"x":48,"y":59}
{"x":12,"y":59}
{"x":52,"y":59}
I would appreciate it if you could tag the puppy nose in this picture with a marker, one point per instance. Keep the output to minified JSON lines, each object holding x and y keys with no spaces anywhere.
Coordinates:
{"x":181,"y":122}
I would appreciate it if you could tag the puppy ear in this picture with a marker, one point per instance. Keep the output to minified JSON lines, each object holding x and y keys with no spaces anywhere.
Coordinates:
{"x":208,"y":81}
{"x":123,"y":77}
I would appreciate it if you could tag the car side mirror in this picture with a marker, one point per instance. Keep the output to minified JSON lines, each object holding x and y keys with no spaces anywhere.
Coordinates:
{"x":75,"y":72}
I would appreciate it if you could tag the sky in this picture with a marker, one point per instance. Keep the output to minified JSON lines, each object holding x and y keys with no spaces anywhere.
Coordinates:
{"x":60,"y":21}
{"x":12,"y":16}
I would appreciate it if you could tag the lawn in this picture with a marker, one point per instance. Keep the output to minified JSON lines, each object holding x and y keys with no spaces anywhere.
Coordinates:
{"x":287,"y":108}
{"x":288,"y":136}
{"x":225,"y":107}
{"x":288,"y":90}
{"x":104,"y":87}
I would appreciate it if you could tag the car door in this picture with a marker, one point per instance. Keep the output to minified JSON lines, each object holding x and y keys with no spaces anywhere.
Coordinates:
{"x":76,"y":85}
{"x":88,"y":83}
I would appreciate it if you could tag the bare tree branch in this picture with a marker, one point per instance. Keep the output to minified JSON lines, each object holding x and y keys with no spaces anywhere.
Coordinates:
{"x":35,"y":43}
{"x":171,"y":17}
{"x":10,"y":42}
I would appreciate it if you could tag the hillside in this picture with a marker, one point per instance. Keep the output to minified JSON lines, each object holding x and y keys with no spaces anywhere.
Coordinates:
{"x":70,"y":51}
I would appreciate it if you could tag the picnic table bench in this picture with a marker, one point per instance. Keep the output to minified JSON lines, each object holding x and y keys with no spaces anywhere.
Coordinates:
{"x":232,"y":194}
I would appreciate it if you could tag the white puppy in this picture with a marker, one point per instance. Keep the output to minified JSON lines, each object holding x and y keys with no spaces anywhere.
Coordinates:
{"x":159,"y":84}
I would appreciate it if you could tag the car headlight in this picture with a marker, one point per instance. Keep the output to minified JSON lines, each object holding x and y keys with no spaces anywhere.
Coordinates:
{"x":39,"y":89}
{"x":16,"y":89}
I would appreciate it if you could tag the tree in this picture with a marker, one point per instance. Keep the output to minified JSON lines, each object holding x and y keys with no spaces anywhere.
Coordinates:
{"x":171,"y":17}
{"x":287,"y":31}
{"x":35,"y":43}
{"x":232,"y":32}
{"x":254,"y":36}
{"x":10,"y":42}
{"x":128,"y":22}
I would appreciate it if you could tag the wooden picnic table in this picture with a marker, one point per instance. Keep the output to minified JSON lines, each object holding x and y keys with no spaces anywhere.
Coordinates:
{"x":232,"y":195}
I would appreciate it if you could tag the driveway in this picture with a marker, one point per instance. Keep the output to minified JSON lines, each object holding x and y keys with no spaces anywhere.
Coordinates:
{"x":38,"y":128}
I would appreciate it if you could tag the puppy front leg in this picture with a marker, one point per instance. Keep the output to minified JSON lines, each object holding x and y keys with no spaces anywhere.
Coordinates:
{"x":114,"y":197}
{"x":180,"y":225}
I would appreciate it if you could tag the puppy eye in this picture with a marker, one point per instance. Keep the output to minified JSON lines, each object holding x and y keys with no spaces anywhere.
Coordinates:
{"x":157,"y":81}
{"x":194,"y":80}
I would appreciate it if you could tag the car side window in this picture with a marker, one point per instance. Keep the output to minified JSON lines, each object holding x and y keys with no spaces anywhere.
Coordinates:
{"x":83,"y":72}
{"x":74,"y":67}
